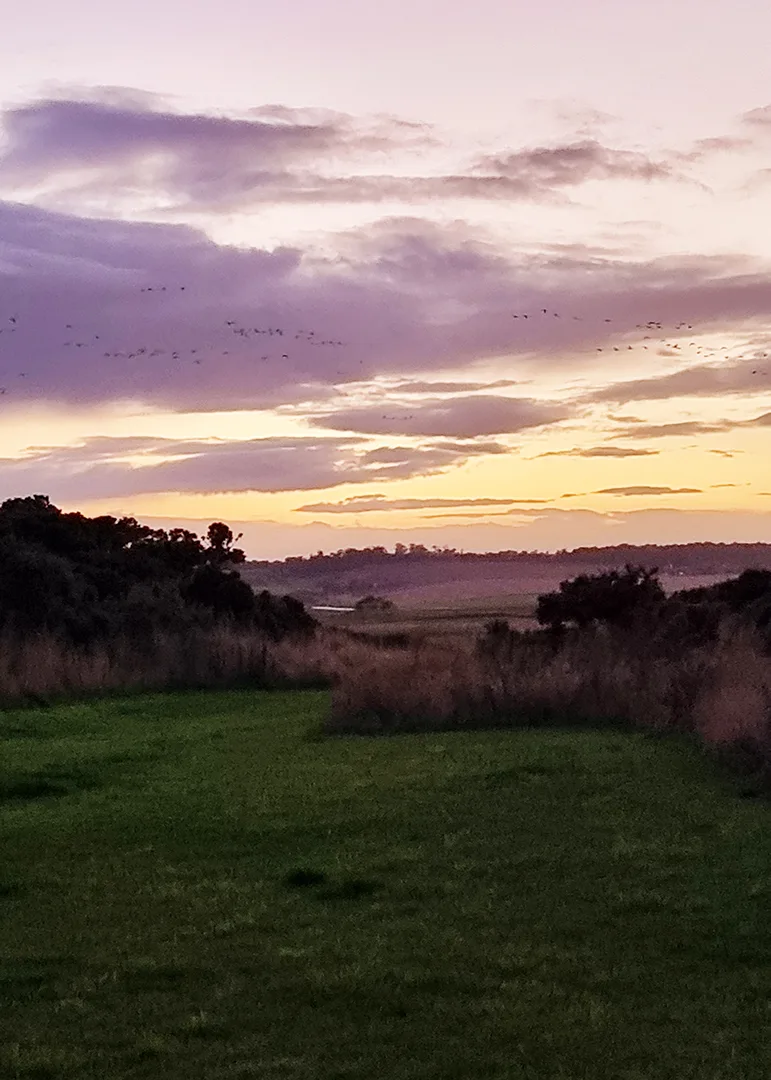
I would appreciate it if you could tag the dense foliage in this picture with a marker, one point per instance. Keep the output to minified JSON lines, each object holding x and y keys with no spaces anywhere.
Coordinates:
{"x":632,"y":597}
{"x":614,"y":597}
{"x":91,"y":578}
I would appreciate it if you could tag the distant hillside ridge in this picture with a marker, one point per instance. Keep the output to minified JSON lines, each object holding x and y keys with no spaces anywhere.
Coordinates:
{"x":703,"y":558}
{"x":355,"y":572}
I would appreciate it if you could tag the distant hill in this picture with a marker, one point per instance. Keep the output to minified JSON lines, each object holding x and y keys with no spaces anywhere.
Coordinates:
{"x":415,"y":573}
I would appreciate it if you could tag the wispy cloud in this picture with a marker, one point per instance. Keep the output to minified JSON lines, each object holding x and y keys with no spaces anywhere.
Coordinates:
{"x":692,"y":427}
{"x":550,"y":167}
{"x":758,"y":118}
{"x":140,"y":145}
{"x":105,"y":466}
{"x":359,"y":504}
{"x":674,"y":429}
{"x":418,"y":386}
{"x":463,"y":417}
{"x":129,"y":144}
{"x":160,"y":315}
{"x":599,"y":451}
{"x":745,"y":376}
{"x":647,"y":489}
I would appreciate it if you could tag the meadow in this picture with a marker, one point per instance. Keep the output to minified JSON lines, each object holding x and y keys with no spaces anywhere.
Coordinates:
{"x":431,"y":618}
{"x":435,"y":611}
{"x":200,"y":884}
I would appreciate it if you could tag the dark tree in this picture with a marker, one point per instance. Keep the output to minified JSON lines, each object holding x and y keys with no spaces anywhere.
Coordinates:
{"x":221,"y":540}
{"x":91,"y":578}
{"x":223,"y":592}
{"x":616,"y":597}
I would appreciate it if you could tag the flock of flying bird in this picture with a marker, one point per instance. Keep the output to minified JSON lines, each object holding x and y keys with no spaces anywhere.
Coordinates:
{"x":280,"y":338}
{"x":93,"y":341}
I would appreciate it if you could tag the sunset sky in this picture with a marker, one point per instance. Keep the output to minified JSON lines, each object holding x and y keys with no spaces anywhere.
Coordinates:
{"x":519,"y":255}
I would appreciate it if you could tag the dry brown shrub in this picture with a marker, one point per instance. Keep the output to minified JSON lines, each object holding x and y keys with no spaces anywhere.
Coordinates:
{"x":719,"y":692}
{"x":735,"y":702}
{"x":44,"y":667}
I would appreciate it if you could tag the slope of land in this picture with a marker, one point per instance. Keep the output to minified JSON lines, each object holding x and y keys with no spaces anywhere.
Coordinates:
{"x":442,"y":578}
{"x":192,"y":887}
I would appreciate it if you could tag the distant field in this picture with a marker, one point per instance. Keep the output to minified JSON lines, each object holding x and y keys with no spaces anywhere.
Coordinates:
{"x":489,"y":906}
{"x":464,"y":608}
{"x":496,"y":587}
{"x":430,"y":619}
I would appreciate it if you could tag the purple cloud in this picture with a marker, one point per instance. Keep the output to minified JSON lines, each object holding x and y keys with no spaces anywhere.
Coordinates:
{"x":106,"y":466}
{"x":693,"y":427}
{"x":743,"y":375}
{"x":553,"y":167}
{"x":715,"y":144}
{"x":160,"y":315}
{"x":202,"y":159}
{"x":128,"y":143}
{"x":463,"y":417}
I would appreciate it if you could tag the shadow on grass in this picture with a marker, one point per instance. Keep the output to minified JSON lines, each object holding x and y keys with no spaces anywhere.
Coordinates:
{"x":143,"y":979}
{"x":46,"y":783}
{"x":347,"y":889}
{"x":303,"y":877}
{"x":19,"y":731}
{"x":28,"y":977}
{"x":351,"y":889}
{"x":54,"y":782}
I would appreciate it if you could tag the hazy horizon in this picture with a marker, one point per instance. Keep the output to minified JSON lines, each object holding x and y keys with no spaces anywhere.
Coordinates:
{"x":519,"y":259}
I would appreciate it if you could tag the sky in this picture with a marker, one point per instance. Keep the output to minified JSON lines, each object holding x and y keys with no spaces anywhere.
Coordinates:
{"x":493,"y":276}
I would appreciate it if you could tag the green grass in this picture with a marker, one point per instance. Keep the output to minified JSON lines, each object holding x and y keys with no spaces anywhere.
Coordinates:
{"x":191,"y":887}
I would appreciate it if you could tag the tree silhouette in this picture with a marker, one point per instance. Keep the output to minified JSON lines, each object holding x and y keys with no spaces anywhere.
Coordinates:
{"x":88,"y":578}
{"x":615,"y":597}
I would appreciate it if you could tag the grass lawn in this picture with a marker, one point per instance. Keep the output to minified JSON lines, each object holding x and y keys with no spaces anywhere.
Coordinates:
{"x":550,"y":905}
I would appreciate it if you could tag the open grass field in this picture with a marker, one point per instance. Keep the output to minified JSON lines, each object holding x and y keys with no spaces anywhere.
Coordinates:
{"x":429,"y":619}
{"x":192,"y":887}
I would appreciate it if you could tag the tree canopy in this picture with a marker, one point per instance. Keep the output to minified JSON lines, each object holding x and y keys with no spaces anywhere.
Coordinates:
{"x":87,"y":578}
{"x":615,"y":597}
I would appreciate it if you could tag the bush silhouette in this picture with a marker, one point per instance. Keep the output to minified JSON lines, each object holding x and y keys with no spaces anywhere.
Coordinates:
{"x":93,"y":579}
{"x":615,"y":597}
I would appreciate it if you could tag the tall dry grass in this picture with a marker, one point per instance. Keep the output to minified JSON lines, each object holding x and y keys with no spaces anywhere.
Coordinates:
{"x":44,"y":668}
{"x":720,"y":692}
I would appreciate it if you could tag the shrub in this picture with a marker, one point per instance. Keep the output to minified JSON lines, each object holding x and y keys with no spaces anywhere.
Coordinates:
{"x":720,"y":692}
{"x":614,"y":597}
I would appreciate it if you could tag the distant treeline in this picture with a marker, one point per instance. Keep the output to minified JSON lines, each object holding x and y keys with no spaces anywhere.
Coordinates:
{"x":699,"y":558}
